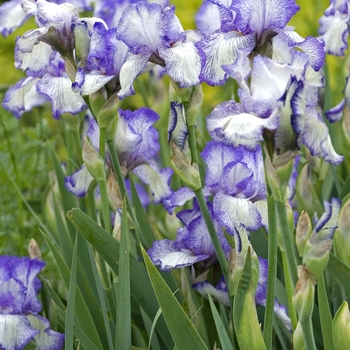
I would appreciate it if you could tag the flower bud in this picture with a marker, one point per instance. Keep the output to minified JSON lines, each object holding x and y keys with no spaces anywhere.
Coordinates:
{"x":318,"y":246}
{"x":346,"y":124}
{"x":117,"y":224}
{"x":82,"y":42}
{"x":298,"y":338}
{"x":341,"y":327}
{"x":73,"y":121}
{"x":34,"y":250}
{"x":188,"y":173}
{"x":93,"y":161}
{"x":341,"y":238}
{"x":195,"y":105}
{"x":272,"y":177}
{"x":183,"y":93}
{"x":108,"y":111}
{"x":96,"y":100}
{"x":113,"y":192}
{"x":303,"y":231}
{"x":303,"y":298}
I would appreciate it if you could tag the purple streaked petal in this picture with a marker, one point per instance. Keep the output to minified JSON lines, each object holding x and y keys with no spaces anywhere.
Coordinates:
{"x":334,"y":31}
{"x":258,"y":15}
{"x":15,"y":331}
{"x":158,"y":181}
{"x":136,"y":139}
{"x":261,"y":206}
{"x":11,"y":16}
{"x":46,"y":338}
{"x":230,"y":125}
{"x":205,"y":288}
{"x":336,"y":113}
{"x":172,"y":254}
{"x":217,"y":156}
{"x":230,"y":212}
{"x":12,"y":296}
{"x":87,"y":84}
{"x":177,"y":199}
{"x":78,"y":183}
{"x":182,"y":61}
{"x":221,"y":49}
{"x":23,"y":96}
{"x":58,"y":90}
{"x":134,"y":65}
{"x":208,"y":18}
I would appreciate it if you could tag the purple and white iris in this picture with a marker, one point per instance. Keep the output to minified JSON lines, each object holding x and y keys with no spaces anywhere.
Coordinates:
{"x":136,"y":142}
{"x":19,"y":306}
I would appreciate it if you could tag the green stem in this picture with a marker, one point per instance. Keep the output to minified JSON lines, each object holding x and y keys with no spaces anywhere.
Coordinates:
{"x":287,"y":241}
{"x":192,"y":143}
{"x":212,"y":233}
{"x":102,"y":145}
{"x":272,"y":270}
{"x":121,"y":184}
{"x":290,"y":291}
{"x":90,"y":201}
{"x":78,"y":146}
{"x":70,"y":150}
{"x":105,"y":205}
{"x":308,"y":334}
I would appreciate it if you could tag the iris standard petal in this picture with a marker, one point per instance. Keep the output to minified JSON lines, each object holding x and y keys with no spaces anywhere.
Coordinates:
{"x":11,"y":16}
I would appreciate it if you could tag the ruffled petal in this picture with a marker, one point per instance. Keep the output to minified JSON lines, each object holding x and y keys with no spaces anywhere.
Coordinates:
{"x":230,"y":125}
{"x":219,"y":295}
{"x":230,"y":212}
{"x":78,"y":183}
{"x":221,"y":49}
{"x":171,"y":254}
{"x":23,"y":96}
{"x":182,"y":61}
{"x":46,"y":339}
{"x":15,"y":331}
{"x":158,"y":181}
{"x":11,"y":16}
{"x":336,"y":113}
{"x":258,"y":15}
{"x":87,"y":84}
{"x":58,"y":90}
{"x":208,"y":18}
{"x":177,"y":199}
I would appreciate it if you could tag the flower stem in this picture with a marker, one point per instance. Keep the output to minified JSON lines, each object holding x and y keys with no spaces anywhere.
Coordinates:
{"x":105,"y":205}
{"x":192,"y":143}
{"x":290,"y":291}
{"x":212,"y":233}
{"x":287,"y":241}
{"x":272,"y":270}
{"x":102,"y":145}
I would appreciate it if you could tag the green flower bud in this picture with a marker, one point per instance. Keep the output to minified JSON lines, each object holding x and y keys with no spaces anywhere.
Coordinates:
{"x":93,"y":161}
{"x":346,"y":123}
{"x":82,"y":43}
{"x":341,"y":238}
{"x":73,"y":121}
{"x":341,"y":327}
{"x":108,"y":111}
{"x":188,"y":173}
{"x":195,"y":105}
{"x":303,"y":298}
{"x":298,"y":338}
{"x":284,"y":167}
{"x":318,"y":246}
{"x":272,"y":177}
{"x":96,"y":101}
{"x":303,"y":231}
{"x":183,"y":93}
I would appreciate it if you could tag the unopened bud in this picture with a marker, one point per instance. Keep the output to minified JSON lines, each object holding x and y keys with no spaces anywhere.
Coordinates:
{"x":34,"y":250}
{"x":272,"y":177}
{"x":341,"y":327}
{"x":346,"y":123}
{"x":303,"y":231}
{"x":188,"y":173}
{"x":108,"y":111}
{"x":96,"y":100}
{"x":113,"y":191}
{"x":93,"y":161}
{"x":81,"y":41}
{"x":117,"y":224}
{"x":183,"y":93}
{"x":194,"y":107}
{"x":303,"y":298}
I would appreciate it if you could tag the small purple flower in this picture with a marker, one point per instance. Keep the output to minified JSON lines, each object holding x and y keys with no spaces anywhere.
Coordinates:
{"x":19,"y":307}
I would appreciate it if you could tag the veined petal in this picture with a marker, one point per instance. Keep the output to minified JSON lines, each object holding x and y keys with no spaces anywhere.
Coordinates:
{"x":172,"y":254}
{"x":23,"y":96}
{"x":221,"y":49}
{"x":177,"y":199}
{"x":78,"y":183}
{"x":182,"y":62}
{"x":11,"y":16}
{"x":12,"y":296}
{"x":158,"y":181}
{"x":217,"y":155}
{"x":258,"y":15}
{"x":261,"y":206}
{"x":91,"y":83}
{"x":208,"y":18}
{"x":230,"y":212}
{"x":177,"y":127}
{"x":46,"y":338}
{"x":15,"y":331}
{"x":219,"y":295}
{"x":230,"y":125}
{"x":133,"y":66}
{"x":58,"y":90}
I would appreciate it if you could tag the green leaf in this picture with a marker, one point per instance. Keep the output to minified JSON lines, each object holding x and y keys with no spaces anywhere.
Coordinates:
{"x":223,"y":336}
{"x":325,"y":314}
{"x":123,"y":329}
{"x":68,"y":329}
{"x":340,"y":272}
{"x":108,"y":247}
{"x":182,"y":330}
{"x":83,"y":314}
